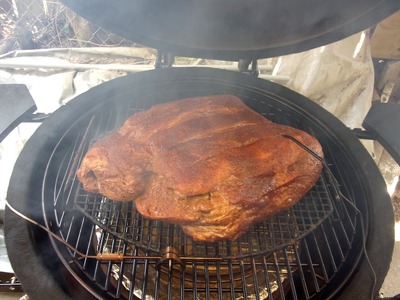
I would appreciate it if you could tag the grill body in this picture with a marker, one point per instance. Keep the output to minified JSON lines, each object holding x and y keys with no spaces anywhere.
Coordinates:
{"x":322,"y":261}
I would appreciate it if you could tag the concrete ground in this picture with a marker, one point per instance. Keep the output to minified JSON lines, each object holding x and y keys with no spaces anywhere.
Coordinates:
{"x":12,"y":296}
{"x":391,"y":285}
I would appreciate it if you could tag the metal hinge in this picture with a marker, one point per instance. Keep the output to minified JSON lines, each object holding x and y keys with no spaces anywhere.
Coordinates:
{"x":9,"y":283}
{"x":164,"y":60}
{"x":362,"y":134}
{"x":244,"y":65}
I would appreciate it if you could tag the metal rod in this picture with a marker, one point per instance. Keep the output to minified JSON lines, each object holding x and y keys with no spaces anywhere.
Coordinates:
{"x":121,"y":257}
{"x":182,"y":284}
{"x":231,"y":280}
{"x":278,"y":277}
{"x":121,"y":277}
{"x":328,"y":247}
{"x":289,"y":273}
{"x":339,"y":248}
{"x":266,"y":278}
{"x":115,"y":67}
{"x":308,"y":257}
{"x":319,"y":255}
{"x":207,"y":280}
{"x":243,"y":277}
{"x":133,"y":277}
{"x":302,"y":277}
{"x":194,"y":280}
{"x":255,"y":279}
{"x":169,"y":289}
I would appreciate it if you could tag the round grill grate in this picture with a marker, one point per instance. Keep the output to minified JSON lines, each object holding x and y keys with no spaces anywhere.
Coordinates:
{"x":125,"y":222}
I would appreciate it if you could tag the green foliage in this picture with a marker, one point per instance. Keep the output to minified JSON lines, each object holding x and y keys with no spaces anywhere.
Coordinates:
{"x":65,"y":29}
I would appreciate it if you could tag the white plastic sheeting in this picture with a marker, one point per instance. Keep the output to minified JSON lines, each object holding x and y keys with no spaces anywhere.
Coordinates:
{"x":339,"y":77}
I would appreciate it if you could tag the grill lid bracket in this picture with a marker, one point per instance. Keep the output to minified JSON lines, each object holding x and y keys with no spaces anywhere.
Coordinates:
{"x":383,"y":123}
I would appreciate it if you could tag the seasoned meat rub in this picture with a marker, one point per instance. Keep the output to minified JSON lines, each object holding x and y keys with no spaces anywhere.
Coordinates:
{"x":210,"y":164}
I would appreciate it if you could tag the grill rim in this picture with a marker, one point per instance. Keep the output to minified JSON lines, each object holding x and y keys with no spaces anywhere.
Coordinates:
{"x":27,"y":170}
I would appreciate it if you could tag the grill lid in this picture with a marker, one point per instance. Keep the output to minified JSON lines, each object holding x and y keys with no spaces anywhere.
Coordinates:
{"x":234,"y":29}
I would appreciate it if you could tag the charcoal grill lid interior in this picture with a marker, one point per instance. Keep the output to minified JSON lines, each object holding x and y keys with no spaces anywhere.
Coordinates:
{"x":233,"y":29}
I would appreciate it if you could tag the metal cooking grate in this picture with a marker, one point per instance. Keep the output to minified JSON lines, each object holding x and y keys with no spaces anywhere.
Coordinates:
{"x":125,"y":222}
{"x":313,"y":244}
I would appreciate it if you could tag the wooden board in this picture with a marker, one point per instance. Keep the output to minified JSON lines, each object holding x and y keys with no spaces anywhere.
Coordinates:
{"x":385,"y":41}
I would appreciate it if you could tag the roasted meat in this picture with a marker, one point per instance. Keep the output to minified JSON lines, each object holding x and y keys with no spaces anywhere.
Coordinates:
{"x":210,"y":164}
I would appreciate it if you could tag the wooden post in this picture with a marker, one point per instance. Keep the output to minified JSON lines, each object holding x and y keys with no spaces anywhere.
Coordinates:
{"x":83,"y":29}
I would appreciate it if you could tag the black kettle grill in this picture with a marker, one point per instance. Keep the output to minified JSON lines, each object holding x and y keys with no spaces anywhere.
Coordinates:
{"x":314,"y":250}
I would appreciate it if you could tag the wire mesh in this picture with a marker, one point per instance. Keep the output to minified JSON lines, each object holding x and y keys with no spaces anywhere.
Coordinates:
{"x":43,"y":24}
{"x":94,"y":224}
{"x":124,"y":221}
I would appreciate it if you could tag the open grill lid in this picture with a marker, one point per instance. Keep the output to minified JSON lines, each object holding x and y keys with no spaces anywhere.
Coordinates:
{"x":234,"y":29}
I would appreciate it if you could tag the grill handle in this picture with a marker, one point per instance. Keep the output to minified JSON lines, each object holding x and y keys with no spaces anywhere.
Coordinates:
{"x":15,"y":104}
{"x":383,"y":124}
